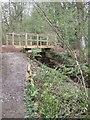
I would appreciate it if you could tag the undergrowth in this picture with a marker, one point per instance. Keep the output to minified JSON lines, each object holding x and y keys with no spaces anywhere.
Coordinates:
{"x":55,"y":95}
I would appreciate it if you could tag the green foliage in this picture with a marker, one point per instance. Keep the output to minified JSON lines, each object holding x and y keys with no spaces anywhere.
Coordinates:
{"x":58,"y":96}
{"x":69,"y":68}
{"x":26,"y":17}
{"x":30,"y":98}
{"x":35,"y":50}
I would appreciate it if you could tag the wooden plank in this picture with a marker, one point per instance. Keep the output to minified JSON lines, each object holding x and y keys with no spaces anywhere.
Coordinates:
{"x":47,"y":40}
{"x":26,"y":39}
{"x":30,"y":40}
{"x":19,"y":41}
{"x":6,"y":39}
{"x":55,"y":40}
{"x":34,"y":46}
{"x":33,"y":34}
{"x":13,"y":38}
{"x":38,"y":42}
{"x":37,"y":39}
{"x":30,"y":43}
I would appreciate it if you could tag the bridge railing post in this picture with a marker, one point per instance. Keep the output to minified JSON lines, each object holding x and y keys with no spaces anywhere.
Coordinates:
{"x":31,"y":40}
{"x":6,"y":39}
{"x":13,"y":38}
{"x":26,"y":39}
{"x":55,"y":40}
{"x":47,"y":41}
{"x":19,"y":41}
{"x":37,"y":39}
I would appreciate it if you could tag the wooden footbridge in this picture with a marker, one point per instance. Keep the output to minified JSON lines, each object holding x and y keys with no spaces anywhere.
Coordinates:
{"x":30,"y":40}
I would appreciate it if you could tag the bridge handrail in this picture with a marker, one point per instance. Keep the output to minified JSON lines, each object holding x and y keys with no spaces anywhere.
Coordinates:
{"x":27,"y":38}
{"x":33,"y":34}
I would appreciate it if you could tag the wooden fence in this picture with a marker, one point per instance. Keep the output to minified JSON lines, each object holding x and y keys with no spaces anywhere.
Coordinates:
{"x":31,"y":40}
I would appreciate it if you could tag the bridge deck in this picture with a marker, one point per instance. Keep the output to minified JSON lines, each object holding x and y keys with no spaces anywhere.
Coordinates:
{"x":30,"y":40}
{"x":34,"y":46}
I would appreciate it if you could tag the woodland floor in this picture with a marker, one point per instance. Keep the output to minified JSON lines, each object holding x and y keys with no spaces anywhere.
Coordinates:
{"x":13,"y":74}
{"x":13,"y":83}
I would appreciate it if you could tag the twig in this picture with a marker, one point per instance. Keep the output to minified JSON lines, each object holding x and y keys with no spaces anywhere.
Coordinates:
{"x":55,"y":29}
{"x":83,"y":81}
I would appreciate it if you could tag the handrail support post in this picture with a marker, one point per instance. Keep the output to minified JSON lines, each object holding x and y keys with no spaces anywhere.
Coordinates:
{"x":26,"y":39}
{"x":13,"y":38}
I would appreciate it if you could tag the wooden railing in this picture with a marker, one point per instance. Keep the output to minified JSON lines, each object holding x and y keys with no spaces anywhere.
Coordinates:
{"x":30,"y":40}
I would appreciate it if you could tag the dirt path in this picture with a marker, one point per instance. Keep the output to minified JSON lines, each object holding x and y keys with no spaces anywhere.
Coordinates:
{"x":13,"y":83}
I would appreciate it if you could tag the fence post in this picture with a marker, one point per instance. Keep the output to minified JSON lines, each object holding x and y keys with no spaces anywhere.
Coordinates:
{"x":47,"y":40}
{"x":13,"y":38}
{"x":6,"y":39}
{"x":26,"y":39}
{"x":19,"y":41}
{"x":55,"y":40}
{"x":31,"y":40}
{"x":37,"y":39}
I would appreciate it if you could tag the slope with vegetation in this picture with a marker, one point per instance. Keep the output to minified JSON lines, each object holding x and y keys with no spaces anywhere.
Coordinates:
{"x":60,"y":80}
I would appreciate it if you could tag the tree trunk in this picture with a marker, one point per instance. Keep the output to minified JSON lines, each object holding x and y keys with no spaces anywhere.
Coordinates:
{"x":80,"y":10}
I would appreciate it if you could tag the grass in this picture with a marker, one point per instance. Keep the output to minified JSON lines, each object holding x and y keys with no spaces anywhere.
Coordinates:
{"x":35,"y":50}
